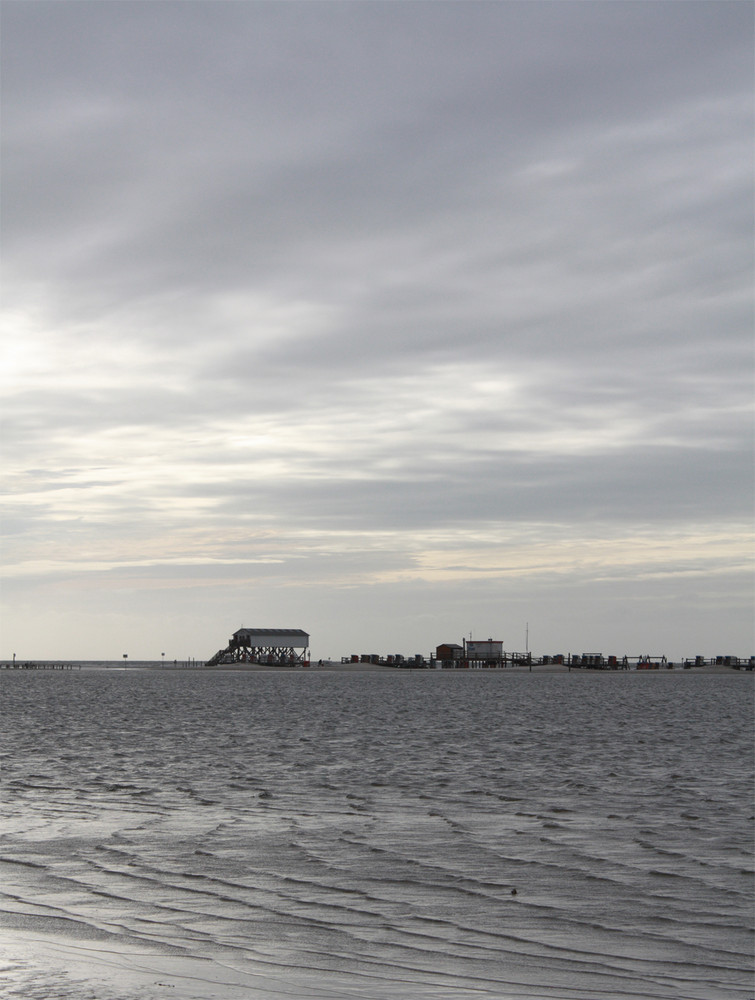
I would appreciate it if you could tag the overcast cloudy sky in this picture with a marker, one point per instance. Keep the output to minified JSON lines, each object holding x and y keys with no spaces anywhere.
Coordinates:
{"x":394,"y":322}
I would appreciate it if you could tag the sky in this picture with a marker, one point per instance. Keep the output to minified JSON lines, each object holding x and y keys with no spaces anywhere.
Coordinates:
{"x":395,"y":322}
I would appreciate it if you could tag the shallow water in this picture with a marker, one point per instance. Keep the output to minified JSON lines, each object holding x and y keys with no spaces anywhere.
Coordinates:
{"x":407,"y":834}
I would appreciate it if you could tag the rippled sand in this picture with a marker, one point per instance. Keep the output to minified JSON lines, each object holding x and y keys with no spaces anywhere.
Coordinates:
{"x":376,"y":835}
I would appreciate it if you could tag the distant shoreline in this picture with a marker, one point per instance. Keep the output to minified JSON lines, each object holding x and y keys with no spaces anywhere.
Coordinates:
{"x":332,"y":666}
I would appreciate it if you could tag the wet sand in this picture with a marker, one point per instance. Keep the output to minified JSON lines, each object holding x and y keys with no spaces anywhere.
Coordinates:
{"x":142,"y":858}
{"x":38,"y":965}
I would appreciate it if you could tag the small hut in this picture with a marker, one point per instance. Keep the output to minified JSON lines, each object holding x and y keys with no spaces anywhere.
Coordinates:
{"x":449,"y":654}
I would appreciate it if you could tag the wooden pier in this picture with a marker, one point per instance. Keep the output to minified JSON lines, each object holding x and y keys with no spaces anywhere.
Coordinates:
{"x":14,"y":665}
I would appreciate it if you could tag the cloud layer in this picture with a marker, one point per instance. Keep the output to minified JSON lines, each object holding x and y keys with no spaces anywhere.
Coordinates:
{"x":388,"y":321}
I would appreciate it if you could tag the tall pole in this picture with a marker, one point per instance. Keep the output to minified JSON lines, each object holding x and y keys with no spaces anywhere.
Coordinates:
{"x":527,"y":638}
